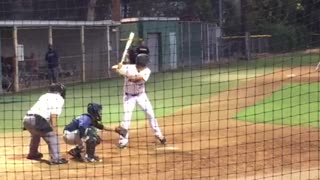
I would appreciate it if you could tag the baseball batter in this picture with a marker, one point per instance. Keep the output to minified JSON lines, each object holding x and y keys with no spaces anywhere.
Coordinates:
{"x":41,"y":121}
{"x":134,"y":93}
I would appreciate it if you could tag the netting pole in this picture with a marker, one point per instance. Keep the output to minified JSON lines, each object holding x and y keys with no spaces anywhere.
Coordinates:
{"x":16,"y":65}
{"x":83,"y":55}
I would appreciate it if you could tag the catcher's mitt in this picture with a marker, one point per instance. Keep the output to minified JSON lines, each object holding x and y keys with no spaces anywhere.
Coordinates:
{"x":121,"y":131}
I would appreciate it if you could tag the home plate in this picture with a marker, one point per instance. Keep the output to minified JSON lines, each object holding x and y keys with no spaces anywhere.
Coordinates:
{"x":291,"y":75}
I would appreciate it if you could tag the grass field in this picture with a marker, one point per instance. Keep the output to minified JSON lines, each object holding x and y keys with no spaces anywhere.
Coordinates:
{"x":295,"y":104}
{"x":168,"y":91}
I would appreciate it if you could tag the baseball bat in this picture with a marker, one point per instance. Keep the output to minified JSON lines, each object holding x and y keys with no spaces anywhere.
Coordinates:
{"x":129,"y":42}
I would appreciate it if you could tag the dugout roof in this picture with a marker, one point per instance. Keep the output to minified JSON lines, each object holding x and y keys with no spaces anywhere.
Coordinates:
{"x":36,"y":23}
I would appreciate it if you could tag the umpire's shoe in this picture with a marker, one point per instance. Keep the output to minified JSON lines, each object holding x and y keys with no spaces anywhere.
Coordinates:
{"x":37,"y":156}
{"x":60,"y":161}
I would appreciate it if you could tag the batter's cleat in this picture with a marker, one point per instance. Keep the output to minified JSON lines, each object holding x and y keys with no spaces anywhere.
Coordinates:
{"x":35,"y":157}
{"x":75,"y":153}
{"x":60,"y":161}
{"x":122,"y":146}
{"x":162,"y":140}
{"x":92,"y":159}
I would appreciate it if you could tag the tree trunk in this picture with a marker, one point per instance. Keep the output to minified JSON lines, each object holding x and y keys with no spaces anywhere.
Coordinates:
{"x":91,"y":10}
{"x":116,"y":10}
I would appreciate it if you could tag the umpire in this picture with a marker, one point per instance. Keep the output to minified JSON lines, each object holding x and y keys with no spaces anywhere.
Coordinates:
{"x":42,"y":121}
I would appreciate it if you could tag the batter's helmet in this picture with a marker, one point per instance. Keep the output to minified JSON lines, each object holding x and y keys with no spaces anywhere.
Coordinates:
{"x":58,"y":88}
{"x":94,"y":110}
{"x":142,"y":60}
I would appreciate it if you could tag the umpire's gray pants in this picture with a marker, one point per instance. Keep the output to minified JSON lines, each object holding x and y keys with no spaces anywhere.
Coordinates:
{"x":50,"y":138}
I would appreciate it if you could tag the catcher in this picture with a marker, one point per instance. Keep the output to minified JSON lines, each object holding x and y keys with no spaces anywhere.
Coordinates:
{"x":83,"y":130}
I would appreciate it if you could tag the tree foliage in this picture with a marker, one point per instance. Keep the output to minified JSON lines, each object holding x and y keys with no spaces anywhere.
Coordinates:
{"x":257,"y":12}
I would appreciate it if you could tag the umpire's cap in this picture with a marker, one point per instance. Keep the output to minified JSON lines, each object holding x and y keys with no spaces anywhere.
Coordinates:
{"x":57,"y":88}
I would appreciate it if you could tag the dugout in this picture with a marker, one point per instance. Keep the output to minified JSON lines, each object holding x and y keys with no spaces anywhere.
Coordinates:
{"x":87,"y":49}
{"x":173,"y":43}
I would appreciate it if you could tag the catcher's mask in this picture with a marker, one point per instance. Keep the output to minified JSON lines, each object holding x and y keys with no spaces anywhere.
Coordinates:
{"x":57,"y":88}
{"x":142,"y":60}
{"x":95,"y":110}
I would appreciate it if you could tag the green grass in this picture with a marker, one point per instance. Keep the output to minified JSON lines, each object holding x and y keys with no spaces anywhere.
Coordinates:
{"x":294,"y":104}
{"x":167,"y":91}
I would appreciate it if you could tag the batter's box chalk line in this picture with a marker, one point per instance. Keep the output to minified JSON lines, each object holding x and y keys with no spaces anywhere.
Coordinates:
{"x":170,"y":148}
{"x":291,"y":75}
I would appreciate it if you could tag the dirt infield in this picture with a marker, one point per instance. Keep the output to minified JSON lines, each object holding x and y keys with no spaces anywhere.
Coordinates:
{"x":204,"y":142}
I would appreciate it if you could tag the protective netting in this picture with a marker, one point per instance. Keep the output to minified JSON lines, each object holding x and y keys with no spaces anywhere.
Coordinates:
{"x":230,"y":89}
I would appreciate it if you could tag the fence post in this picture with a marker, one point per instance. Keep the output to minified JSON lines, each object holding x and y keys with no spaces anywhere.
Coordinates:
{"x":50,"y":35}
{"x":1,"y":75}
{"x":108,"y":49}
{"x":182,"y":60}
{"x":83,"y":55}
{"x":247,"y":46}
{"x":189,"y":45}
{"x":202,"y":45}
{"x":217,"y":38}
{"x":208,"y":43}
{"x":16,"y":63}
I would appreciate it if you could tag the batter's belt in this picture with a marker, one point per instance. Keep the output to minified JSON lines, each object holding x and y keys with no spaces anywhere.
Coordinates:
{"x":128,"y":94}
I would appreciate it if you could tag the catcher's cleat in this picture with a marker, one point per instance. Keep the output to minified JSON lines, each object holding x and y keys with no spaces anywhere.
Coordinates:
{"x":35,"y":157}
{"x":162,"y":140}
{"x":75,"y":152}
{"x":92,"y":159}
{"x":122,"y":146}
{"x":60,"y":161}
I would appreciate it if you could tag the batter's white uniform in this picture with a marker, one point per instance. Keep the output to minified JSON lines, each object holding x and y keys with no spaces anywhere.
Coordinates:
{"x":134,"y":93}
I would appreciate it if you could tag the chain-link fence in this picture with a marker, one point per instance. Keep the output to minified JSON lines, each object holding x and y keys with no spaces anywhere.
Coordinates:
{"x":203,"y":43}
{"x":85,"y":53}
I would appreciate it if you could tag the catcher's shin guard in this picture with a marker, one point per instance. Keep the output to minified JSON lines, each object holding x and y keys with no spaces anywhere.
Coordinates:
{"x":76,"y":152}
{"x":92,"y":141}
